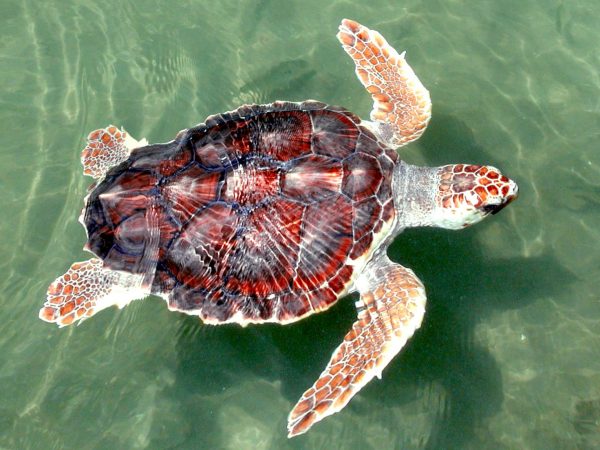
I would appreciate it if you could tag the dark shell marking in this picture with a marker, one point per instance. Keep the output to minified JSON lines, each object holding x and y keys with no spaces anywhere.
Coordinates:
{"x":261,"y":211}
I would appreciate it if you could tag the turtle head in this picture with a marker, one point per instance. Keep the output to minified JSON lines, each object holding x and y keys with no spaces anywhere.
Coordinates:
{"x":468,"y":193}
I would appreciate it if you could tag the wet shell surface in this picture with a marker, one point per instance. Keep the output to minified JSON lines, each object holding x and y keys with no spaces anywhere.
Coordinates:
{"x":260,"y":213}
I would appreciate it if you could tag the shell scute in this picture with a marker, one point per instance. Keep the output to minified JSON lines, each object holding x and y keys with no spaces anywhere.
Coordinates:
{"x":132,"y":181}
{"x":312,"y":105}
{"x":362,"y":176}
{"x":239,"y":139}
{"x":388,"y":212}
{"x":215,"y":156}
{"x":345,"y":112}
{"x":189,"y":191}
{"x":334,"y":134}
{"x":284,"y":136}
{"x":392,"y":154}
{"x":324,"y":248}
{"x":338,"y":283}
{"x":362,"y":246}
{"x":271,"y":243}
{"x":312,"y":177}
{"x":387,"y":166}
{"x":162,"y":160}
{"x":368,"y":145}
{"x":365,"y":214}
{"x":292,"y":306}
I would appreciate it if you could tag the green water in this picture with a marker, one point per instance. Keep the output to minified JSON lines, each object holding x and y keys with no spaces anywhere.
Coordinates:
{"x":509,"y":353}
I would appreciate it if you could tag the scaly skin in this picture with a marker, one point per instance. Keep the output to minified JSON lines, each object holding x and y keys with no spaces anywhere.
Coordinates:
{"x":453,"y":196}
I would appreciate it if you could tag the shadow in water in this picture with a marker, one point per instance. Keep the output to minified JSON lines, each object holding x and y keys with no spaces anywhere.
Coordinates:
{"x":464,"y":286}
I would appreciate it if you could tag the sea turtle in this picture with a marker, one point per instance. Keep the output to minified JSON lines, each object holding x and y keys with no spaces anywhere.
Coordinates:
{"x":270,"y":213}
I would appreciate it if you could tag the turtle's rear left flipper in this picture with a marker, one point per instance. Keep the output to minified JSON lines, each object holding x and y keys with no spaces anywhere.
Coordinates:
{"x":391,"y":308}
{"x":106,"y":148}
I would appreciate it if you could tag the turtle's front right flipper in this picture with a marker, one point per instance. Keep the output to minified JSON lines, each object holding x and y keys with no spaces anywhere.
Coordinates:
{"x":391,"y":308}
{"x":106,"y":148}
{"x":401,"y":104}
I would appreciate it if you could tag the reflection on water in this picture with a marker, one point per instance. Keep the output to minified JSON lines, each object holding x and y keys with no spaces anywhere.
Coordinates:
{"x":508,"y":355}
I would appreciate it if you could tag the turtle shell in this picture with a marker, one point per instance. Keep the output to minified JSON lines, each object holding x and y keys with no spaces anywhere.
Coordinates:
{"x":259,"y":214}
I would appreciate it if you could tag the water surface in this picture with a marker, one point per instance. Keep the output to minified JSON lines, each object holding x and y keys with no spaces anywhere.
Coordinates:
{"x":509,"y":353}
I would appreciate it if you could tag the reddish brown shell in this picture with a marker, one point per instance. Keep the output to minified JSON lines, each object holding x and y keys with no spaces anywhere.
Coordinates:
{"x":260,"y":211}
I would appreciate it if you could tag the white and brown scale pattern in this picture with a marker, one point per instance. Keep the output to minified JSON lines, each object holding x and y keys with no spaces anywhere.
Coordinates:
{"x":471,"y":184}
{"x":402,"y":106}
{"x":391,"y":308}
{"x":86,"y":288}
{"x":106,"y":148}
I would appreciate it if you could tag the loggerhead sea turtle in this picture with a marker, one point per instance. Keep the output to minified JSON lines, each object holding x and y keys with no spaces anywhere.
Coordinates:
{"x":270,"y":213}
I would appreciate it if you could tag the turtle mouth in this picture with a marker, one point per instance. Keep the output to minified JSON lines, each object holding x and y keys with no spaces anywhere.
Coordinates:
{"x":495,"y":209}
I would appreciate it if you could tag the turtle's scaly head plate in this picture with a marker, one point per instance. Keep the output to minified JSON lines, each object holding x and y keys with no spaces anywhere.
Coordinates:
{"x":468,"y":193}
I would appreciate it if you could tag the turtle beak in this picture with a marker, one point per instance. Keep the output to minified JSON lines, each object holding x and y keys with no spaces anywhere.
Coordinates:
{"x":513,"y":193}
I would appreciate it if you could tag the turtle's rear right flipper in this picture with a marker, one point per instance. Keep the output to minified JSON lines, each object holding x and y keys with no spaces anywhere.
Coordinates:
{"x":82,"y":291}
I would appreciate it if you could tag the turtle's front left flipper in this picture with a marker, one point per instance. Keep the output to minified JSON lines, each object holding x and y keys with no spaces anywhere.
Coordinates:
{"x":391,"y":308}
{"x":401,"y":104}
